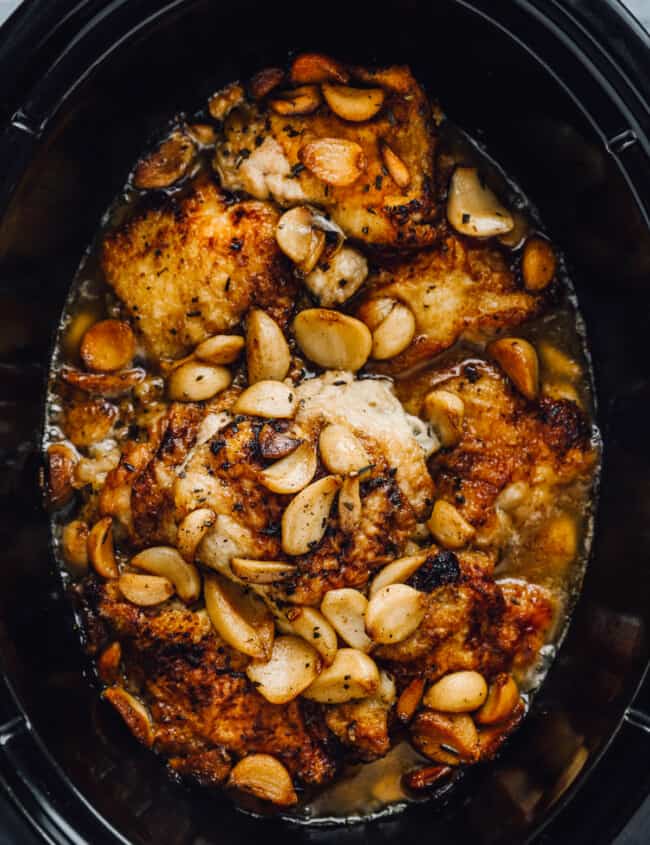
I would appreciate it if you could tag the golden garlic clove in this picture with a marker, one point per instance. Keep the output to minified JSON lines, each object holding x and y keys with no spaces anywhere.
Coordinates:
{"x":394,"y":613}
{"x":145,"y":590}
{"x":502,"y":698}
{"x":267,"y":398}
{"x":445,"y":411}
{"x":538,"y":264}
{"x":398,"y":571}
{"x":264,"y":777}
{"x":353,"y":104}
{"x":340,"y":278}
{"x":290,"y":669}
{"x":352,"y":675}
{"x":291,"y":474}
{"x":315,"y":68}
{"x":192,"y":530}
{"x":332,"y":340}
{"x":457,"y":692}
{"x":449,"y":527}
{"x":296,"y":101}
{"x":518,"y":359}
{"x":395,"y":166}
{"x":336,"y":161}
{"x":220,"y":349}
{"x":473,"y":209}
{"x":166,"y":561}
{"x":341,"y":451}
{"x":305,"y":519}
{"x":166,"y":164}
{"x":239,"y":617}
{"x":100,"y":548}
{"x":312,"y":626}
{"x":262,"y":571}
{"x":133,"y":712}
{"x":197,"y":382}
{"x":394,"y":334}
{"x":345,"y":610}
{"x":267,"y":352}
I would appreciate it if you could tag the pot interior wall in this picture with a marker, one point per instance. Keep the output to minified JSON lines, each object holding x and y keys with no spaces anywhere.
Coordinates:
{"x":493,"y":88}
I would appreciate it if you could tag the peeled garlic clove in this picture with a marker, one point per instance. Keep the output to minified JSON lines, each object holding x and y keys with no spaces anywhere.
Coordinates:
{"x":239,"y":617}
{"x":342,"y":452}
{"x":61,"y":462}
{"x":395,"y":166}
{"x":302,"y":100}
{"x":203,"y":134}
{"x":387,"y":691}
{"x":353,"y":104}
{"x":133,"y":712}
{"x":145,"y":590}
{"x":108,"y":346}
{"x":518,"y":359}
{"x":558,"y":362}
{"x":299,"y":238}
{"x":74,"y":542}
{"x":166,"y":165}
{"x":394,"y":334}
{"x":502,"y":698}
{"x":293,"y":473}
{"x":345,"y":610}
{"x":100,"y":548}
{"x":197,"y":382}
{"x":312,"y":626}
{"x":538,"y":264}
{"x":264,"y":777}
{"x":332,"y":340}
{"x":261,"y":571}
{"x":220,"y":349}
{"x":397,"y":572}
{"x":166,"y":561}
{"x":108,"y":663}
{"x":316,"y":68}
{"x":409,"y":700}
{"x":192,"y":530}
{"x":449,"y":738}
{"x":373,"y":312}
{"x":448,"y":526}
{"x":336,"y":161}
{"x":267,"y":398}
{"x":276,"y":444}
{"x":224,"y":101}
{"x":457,"y":692}
{"x":473,"y":208}
{"x":445,"y":411}
{"x":340,"y":278}
{"x":350,"y":507}
{"x":394,"y":613}
{"x":104,"y":384}
{"x":305,"y":519}
{"x":267,"y":352}
{"x":292,"y":666}
{"x":352,"y":675}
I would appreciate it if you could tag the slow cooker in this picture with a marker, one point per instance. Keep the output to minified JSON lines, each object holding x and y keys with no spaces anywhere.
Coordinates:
{"x":559,"y":93}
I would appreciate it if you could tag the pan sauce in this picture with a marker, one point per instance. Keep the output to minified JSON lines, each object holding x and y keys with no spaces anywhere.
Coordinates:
{"x":363,"y":789}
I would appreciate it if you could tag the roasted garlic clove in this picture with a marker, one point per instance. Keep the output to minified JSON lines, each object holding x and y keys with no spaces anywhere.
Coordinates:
{"x":61,"y":462}
{"x":336,"y":161}
{"x":265,"y":81}
{"x":239,"y":616}
{"x":332,"y":340}
{"x":518,"y":359}
{"x":395,"y":166}
{"x":304,"y":521}
{"x":449,"y":527}
{"x":445,"y":411}
{"x":353,"y":104}
{"x":457,"y":692}
{"x":341,"y":451}
{"x":473,"y":209}
{"x":267,"y":398}
{"x":350,"y":507}
{"x":293,"y":473}
{"x":223,"y":102}
{"x":108,"y":346}
{"x":409,"y":700}
{"x":316,"y":68}
{"x":167,"y":164}
{"x":197,"y":382}
{"x":220,"y":349}
{"x":133,"y":712}
{"x":299,"y":238}
{"x":312,"y":626}
{"x":352,"y":675}
{"x":538,"y":264}
{"x":262,"y":571}
{"x":296,"y":101}
{"x":104,"y":384}
{"x":394,"y":334}
{"x":74,"y":543}
{"x":290,"y":669}
{"x":264,"y":777}
{"x":502,"y":698}
{"x":145,"y":590}
{"x":192,"y":530}
{"x":394,"y":613}
{"x":100,"y":548}
{"x":449,"y":738}
{"x":267,"y":352}
{"x":397,"y":572}
{"x":334,"y":282}
{"x":345,"y":610}
{"x":166,"y":561}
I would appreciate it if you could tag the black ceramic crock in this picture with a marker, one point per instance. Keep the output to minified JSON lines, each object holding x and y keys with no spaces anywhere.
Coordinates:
{"x":558,"y":93}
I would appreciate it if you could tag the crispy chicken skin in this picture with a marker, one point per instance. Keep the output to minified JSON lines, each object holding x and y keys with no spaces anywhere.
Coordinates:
{"x":193,"y":267}
{"x":463,"y":291}
{"x":259,"y":155}
{"x":203,"y":708}
{"x":545,"y":444}
{"x":362,"y":726}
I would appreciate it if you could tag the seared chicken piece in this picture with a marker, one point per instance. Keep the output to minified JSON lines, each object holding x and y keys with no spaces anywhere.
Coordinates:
{"x":462,"y":291}
{"x":471,"y":621}
{"x":543,"y":444}
{"x":193,"y":267}
{"x":260,"y":154}
{"x":201,"y":703}
{"x":362,"y":726}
